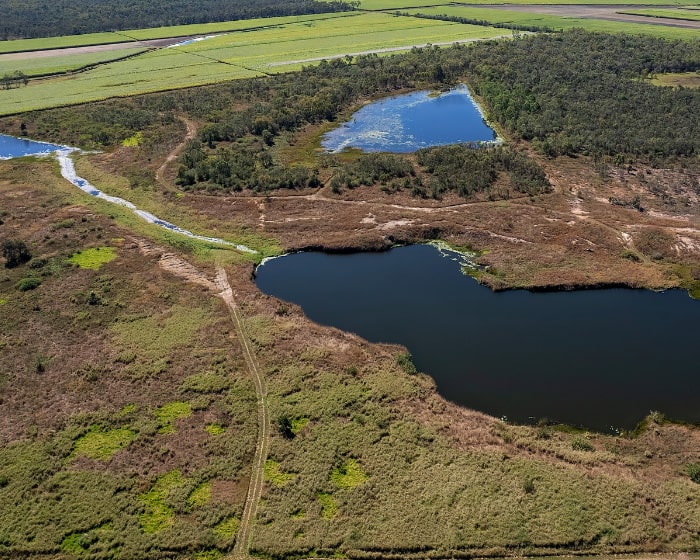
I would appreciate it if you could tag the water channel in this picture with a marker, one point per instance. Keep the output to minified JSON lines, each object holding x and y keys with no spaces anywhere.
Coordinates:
{"x":602,"y":359}
{"x":11,"y":147}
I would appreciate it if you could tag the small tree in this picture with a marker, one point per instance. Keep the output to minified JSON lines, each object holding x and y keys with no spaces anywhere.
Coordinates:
{"x":15,"y":252}
{"x":284,"y":425}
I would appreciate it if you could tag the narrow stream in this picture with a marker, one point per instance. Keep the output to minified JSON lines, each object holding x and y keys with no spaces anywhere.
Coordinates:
{"x":11,"y":147}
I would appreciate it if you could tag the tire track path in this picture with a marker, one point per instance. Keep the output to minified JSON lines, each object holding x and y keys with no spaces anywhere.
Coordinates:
{"x":242,"y":545}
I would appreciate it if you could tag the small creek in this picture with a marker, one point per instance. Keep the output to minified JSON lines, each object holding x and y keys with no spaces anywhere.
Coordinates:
{"x":11,"y":147}
{"x":602,"y":359}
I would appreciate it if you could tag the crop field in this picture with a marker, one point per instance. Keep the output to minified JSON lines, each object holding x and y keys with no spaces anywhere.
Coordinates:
{"x":689,"y":14}
{"x":42,"y":65}
{"x":239,"y":55}
{"x":497,"y":16}
{"x":21,"y":45}
{"x":403,"y":4}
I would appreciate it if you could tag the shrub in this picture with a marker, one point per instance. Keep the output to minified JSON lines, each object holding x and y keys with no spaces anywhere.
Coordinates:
{"x":26,"y":284}
{"x":405,"y":360}
{"x":15,"y":252}
{"x":581,"y":444}
{"x":694,"y":472}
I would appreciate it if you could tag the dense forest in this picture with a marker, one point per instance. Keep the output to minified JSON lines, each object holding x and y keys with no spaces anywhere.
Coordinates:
{"x":570,"y":93}
{"x":44,"y":18}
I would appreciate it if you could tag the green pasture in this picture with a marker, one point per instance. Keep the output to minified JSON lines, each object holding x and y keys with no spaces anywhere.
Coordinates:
{"x":238,"y":55}
{"x":267,"y":48}
{"x":498,"y":16}
{"x":42,"y":65}
{"x":21,"y":45}
{"x":689,"y":14}
{"x":404,"y":4}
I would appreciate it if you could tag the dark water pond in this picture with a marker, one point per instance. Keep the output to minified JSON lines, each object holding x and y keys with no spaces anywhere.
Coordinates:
{"x":11,"y":147}
{"x":601,"y":358}
{"x":407,"y":123}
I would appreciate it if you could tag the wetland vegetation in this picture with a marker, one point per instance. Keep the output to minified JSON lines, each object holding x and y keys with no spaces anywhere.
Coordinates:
{"x":133,"y":426}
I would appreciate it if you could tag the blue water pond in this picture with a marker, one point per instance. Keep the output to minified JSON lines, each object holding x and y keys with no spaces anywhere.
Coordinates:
{"x":11,"y":147}
{"x":406,"y":123}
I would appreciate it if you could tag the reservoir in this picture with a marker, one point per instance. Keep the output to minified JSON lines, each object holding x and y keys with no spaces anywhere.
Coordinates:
{"x":11,"y":147}
{"x":601,"y":359}
{"x":406,"y":123}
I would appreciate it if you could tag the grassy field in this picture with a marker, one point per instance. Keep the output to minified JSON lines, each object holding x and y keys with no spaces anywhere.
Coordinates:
{"x":690,"y":14}
{"x":43,"y":65}
{"x":236,"y":56}
{"x":685,"y":79}
{"x":20,"y":45}
{"x":496,"y":15}
{"x":402,"y":4}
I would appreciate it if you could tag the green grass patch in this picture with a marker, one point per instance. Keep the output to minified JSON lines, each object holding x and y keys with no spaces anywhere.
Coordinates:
{"x":133,"y":141}
{"x":3,"y":301}
{"x":227,"y":528}
{"x":329,"y":506}
{"x":212,"y":554}
{"x":298,"y":424}
{"x":206,"y":382}
{"x":685,"y":79}
{"x":349,"y":475}
{"x":94,"y":257}
{"x":101,"y":444}
{"x":159,"y":515}
{"x":73,"y":544}
{"x":201,"y":495}
{"x":169,"y":413}
{"x":157,"y":336}
{"x":214,"y":429}
{"x":274,"y":475}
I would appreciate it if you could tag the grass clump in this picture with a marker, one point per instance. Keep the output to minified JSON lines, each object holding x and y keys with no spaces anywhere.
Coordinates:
{"x":274,"y":475}
{"x":207,"y":382}
{"x":133,"y":141}
{"x":169,"y":413}
{"x":159,"y":514}
{"x":101,"y":445}
{"x":73,"y":544}
{"x":226,"y":528}
{"x":201,"y":495}
{"x":580,"y":443}
{"x":26,"y":284}
{"x":214,"y":429}
{"x":298,"y":424}
{"x":329,"y":507}
{"x":349,"y":475}
{"x":93,"y":258}
{"x":694,"y":472}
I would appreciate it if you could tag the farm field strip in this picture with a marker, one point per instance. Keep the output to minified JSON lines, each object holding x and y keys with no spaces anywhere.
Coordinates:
{"x":368,"y":32}
{"x":42,"y":65}
{"x":89,"y":39}
{"x":236,"y":56}
{"x":689,"y":14}
{"x":523,"y":17}
{"x":381,"y":5}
